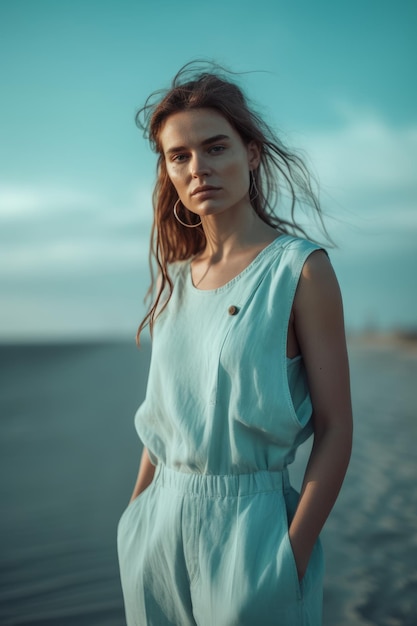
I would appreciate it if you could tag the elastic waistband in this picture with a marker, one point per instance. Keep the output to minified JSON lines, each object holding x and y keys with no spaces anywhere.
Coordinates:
{"x":229,"y":485}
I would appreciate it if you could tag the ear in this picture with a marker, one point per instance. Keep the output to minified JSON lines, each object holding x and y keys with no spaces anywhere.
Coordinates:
{"x":254,"y":155}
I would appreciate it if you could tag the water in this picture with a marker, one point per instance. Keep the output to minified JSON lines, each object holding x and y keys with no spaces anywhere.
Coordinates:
{"x":68,"y":460}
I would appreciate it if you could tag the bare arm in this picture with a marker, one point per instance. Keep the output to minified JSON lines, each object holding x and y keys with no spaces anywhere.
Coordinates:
{"x":145,"y":475}
{"x":319,"y":328}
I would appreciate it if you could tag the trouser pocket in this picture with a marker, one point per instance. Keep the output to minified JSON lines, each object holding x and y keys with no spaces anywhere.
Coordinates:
{"x":292,"y":566}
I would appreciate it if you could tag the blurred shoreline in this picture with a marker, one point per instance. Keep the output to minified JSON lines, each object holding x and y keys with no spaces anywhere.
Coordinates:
{"x":369,"y":337}
{"x":400,"y":339}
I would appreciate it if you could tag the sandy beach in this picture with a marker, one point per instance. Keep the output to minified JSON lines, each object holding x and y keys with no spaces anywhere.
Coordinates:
{"x":68,"y":460}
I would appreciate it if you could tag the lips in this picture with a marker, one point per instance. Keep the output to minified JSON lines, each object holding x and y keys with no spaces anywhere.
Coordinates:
{"x":203,"y":189}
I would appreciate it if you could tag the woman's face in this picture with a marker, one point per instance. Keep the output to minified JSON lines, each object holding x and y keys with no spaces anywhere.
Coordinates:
{"x":207,"y":161}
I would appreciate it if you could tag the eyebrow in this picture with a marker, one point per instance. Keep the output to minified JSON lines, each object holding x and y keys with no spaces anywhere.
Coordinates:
{"x":205,"y":142}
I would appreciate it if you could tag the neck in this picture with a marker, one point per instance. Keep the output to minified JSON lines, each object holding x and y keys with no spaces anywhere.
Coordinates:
{"x":228,"y":233}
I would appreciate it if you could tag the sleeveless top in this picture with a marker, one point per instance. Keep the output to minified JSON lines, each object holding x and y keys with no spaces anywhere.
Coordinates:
{"x":222,"y":396}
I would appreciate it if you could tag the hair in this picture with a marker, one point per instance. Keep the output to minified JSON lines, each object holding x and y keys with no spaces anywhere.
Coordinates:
{"x":281,"y":174}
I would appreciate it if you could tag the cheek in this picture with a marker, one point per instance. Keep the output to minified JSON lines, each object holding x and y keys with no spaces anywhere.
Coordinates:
{"x":237,"y":166}
{"x":239,"y":173}
{"x":175,"y":176}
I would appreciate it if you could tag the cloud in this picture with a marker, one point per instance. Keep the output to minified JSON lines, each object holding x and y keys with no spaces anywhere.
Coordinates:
{"x":25,"y":202}
{"x":17,"y":203}
{"x":48,"y":230}
{"x":365,"y":153}
{"x":367,"y":172}
{"x":70,"y":257}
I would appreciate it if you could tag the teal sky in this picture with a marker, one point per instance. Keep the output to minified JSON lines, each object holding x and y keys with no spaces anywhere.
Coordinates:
{"x":337,"y":80}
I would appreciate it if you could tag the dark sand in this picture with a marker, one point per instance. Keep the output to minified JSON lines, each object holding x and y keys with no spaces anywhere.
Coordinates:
{"x":68,"y":460}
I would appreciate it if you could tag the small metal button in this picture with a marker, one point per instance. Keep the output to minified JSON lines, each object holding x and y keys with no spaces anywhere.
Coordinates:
{"x":233,"y":310}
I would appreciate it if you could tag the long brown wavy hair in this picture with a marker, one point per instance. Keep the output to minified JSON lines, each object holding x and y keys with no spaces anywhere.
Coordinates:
{"x":281,"y":176}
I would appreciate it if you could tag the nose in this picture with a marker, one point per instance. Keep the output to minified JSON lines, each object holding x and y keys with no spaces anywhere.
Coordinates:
{"x":199,"y":166}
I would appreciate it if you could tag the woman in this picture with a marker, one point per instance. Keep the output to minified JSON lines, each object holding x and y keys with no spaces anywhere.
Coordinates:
{"x":248,"y":360}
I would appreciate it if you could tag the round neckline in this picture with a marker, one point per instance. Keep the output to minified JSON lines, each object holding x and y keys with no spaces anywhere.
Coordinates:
{"x":236,"y":278}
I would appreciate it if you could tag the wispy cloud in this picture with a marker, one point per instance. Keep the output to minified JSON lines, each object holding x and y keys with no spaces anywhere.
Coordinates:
{"x":367,"y":172}
{"x":70,"y":257}
{"x":365,"y":153}
{"x":45,"y":231}
{"x":20,"y":202}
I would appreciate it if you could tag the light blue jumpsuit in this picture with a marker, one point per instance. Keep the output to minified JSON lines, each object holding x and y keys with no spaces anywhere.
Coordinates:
{"x":207,"y":543}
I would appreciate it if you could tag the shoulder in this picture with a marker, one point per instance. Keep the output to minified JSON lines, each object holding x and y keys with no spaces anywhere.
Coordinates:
{"x":292,"y":243}
{"x":294,"y":255}
{"x":317,"y":269}
{"x":296,"y":250}
{"x":175,"y":274}
{"x":178,"y":270}
{"x":317,"y":266}
{"x":318,"y":288}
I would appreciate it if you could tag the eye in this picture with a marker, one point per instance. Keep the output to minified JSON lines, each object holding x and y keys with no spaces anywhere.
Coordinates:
{"x":216,"y":149}
{"x":179,"y":158}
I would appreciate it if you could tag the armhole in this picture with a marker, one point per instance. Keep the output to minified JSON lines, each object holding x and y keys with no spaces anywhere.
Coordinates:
{"x":296,"y":264}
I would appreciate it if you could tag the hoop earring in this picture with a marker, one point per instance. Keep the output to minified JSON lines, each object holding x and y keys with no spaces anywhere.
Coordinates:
{"x":180,"y":221}
{"x":253,"y":190}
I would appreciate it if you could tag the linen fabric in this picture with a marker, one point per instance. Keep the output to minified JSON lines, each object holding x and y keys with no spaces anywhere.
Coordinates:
{"x":225,"y":410}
